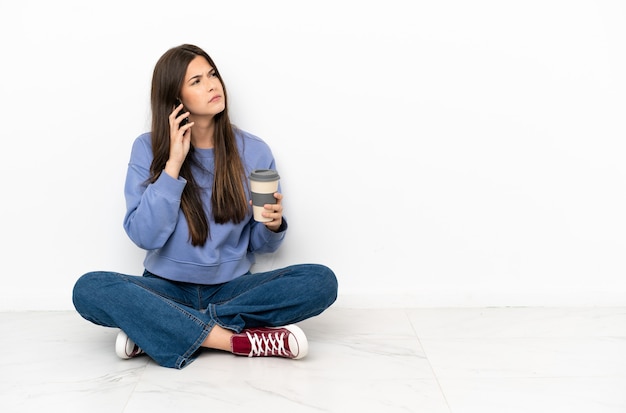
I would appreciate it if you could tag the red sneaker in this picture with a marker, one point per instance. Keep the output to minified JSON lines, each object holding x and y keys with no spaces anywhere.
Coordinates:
{"x":288,"y":341}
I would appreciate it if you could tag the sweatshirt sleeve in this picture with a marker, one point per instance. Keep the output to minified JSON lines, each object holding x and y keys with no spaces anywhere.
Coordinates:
{"x":262,"y":240}
{"x":152,"y":210}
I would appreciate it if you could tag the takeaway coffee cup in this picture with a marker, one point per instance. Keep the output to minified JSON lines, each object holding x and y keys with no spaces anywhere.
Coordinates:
{"x":263,"y":185}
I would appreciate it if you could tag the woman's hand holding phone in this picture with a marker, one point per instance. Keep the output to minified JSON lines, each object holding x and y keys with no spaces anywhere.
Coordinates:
{"x":180,"y":139}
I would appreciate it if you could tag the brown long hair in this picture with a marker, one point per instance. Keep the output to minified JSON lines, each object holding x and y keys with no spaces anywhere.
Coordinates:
{"x":228,"y":199}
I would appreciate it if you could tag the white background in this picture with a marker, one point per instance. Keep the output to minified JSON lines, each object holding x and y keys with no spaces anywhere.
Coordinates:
{"x":448,"y":153}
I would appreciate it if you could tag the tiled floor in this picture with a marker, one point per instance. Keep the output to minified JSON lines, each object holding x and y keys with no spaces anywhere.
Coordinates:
{"x":373,"y":360}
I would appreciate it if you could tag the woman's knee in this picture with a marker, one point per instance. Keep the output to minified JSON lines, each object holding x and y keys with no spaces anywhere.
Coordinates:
{"x":92,"y":296}
{"x":326,"y":281}
{"x":89,"y":286}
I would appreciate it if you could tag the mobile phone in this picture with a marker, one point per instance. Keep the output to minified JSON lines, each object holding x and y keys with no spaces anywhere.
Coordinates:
{"x":186,"y":120}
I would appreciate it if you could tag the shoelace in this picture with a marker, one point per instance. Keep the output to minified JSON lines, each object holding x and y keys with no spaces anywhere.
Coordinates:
{"x":136,"y":351}
{"x":270,"y":343}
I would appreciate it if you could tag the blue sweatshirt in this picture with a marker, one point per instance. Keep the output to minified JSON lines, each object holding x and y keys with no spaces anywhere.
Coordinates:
{"x":155,"y":222}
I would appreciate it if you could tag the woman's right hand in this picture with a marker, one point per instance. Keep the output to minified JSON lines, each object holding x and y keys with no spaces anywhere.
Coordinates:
{"x":180,"y":141}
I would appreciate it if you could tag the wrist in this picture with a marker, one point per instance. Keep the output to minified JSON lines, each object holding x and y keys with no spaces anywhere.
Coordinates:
{"x":172,"y":169}
{"x":277,"y":228}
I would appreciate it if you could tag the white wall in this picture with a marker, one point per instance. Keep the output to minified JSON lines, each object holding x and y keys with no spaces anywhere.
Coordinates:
{"x":432,"y":153}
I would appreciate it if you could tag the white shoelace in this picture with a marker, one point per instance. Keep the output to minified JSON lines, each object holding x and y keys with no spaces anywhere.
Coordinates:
{"x":264,"y":344}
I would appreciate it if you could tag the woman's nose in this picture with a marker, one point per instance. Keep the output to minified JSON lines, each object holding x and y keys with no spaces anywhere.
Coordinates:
{"x":211,"y":83}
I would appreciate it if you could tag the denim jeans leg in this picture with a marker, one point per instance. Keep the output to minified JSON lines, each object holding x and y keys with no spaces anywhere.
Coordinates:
{"x":153,"y":312}
{"x":274,"y":298}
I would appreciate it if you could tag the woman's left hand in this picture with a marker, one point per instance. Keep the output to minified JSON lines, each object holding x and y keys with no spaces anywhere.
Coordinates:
{"x":275,"y":212}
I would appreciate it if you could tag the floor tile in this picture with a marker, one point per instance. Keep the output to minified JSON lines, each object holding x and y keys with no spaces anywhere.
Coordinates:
{"x":523,"y":322}
{"x":265,"y":385}
{"x":527,"y":357}
{"x":59,"y":359}
{"x":360,"y":359}
{"x":538,"y":395}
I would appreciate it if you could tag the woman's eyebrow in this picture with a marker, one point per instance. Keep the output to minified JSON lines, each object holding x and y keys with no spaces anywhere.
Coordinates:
{"x":194,"y":77}
{"x":211,"y":70}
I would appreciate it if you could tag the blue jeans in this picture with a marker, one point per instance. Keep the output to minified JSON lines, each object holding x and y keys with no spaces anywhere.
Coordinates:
{"x":169,"y":320}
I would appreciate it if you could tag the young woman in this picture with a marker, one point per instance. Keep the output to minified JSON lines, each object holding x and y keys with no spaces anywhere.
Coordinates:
{"x":187,"y":198}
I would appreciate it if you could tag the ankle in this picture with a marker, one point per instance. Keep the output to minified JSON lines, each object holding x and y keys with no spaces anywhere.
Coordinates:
{"x":219,"y":338}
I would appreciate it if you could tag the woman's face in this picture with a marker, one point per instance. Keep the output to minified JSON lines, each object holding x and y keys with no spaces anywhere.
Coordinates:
{"x":202,"y":93}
